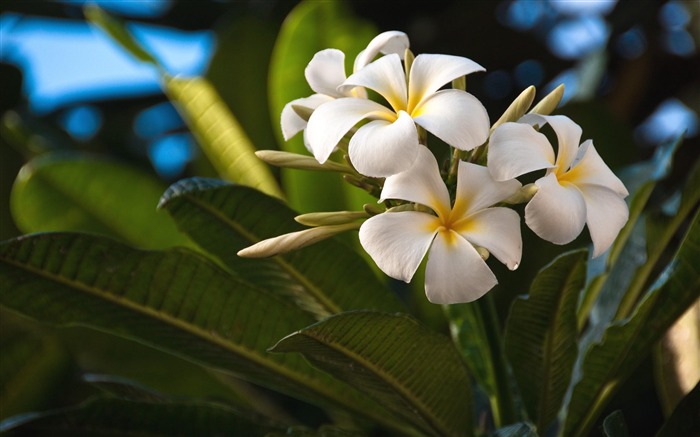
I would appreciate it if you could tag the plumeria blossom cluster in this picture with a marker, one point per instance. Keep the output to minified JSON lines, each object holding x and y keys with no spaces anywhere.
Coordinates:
{"x":459,"y":214}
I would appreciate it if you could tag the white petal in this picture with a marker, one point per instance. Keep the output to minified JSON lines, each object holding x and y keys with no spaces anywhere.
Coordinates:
{"x":455,"y":272}
{"x":589,"y":168}
{"x":381,"y":149}
{"x":497,"y":230}
{"x":516,"y":149}
{"x":454,"y":116}
{"x":326,"y":71}
{"x":291,"y":122}
{"x":331,"y":121}
{"x":398,"y":241}
{"x":556,"y":213}
{"x":476,"y":189}
{"x":421,"y":183}
{"x":568,"y":139}
{"x":606,"y":214}
{"x":430,"y":72}
{"x":389,"y":42}
{"x":385,"y":76}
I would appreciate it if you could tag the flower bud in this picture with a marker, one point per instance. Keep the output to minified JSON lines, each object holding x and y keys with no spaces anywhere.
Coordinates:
{"x":330,"y":218}
{"x":549,"y":103}
{"x":518,"y":108}
{"x":292,"y":241}
{"x":301,"y":162}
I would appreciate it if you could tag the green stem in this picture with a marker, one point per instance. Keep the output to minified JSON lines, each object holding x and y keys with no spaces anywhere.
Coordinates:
{"x":504,"y":407}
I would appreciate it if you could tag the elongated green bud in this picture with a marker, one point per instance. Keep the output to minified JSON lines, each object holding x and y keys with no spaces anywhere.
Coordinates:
{"x":295,"y":240}
{"x":460,"y":83}
{"x":330,"y":218}
{"x":372,"y":209}
{"x":550,"y":102}
{"x":408,"y":58}
{"x":518,"y":108}
{"x":303,"y":111}
{"x":302,"y":162}
{"x":523,"y":195}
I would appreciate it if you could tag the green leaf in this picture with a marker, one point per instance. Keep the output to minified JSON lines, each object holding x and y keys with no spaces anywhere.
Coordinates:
{"x":516,"y":430}
{"x":612,"y":271}
{"x":626,"y":343}
{"x":413,"y":371}
{"x":310,"y":27}
{"x":68,"y":192}
{"x":174,"y":300}
{"x":685,"y":420}
{"x":33,"y":366}
{"x":324,"y":278}
{"x":219,"y":134}
{"x":108,"y":416}
{"x":541,"y":336}
{"x":476,"y":331}
{"x":323,"y":431}
{"x":117,"y":30}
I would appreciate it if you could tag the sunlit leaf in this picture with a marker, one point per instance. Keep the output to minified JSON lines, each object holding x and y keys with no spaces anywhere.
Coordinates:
{"x":541,"y":336}
{"x":217,"y":131}
{"x":310,"y":27}
{"x":219,"y":134}
{"x":175,"y":300}
{"x":107,"y":416}
{"x":625,"y":344}
{"x":68,"y":192}
{"x":413,"y":371}
{"x":324,"y":278}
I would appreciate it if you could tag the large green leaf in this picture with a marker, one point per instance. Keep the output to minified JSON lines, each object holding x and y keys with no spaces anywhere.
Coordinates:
{"x":219,"y":134}
{"x":626,"y":343}
{"x":67,"y":192}
{"x":324,"y":278}
{"x":413,"y":371}
{"x":541,"y":336}
{"x":175,"y":300}
{"x":33,"y":366}
{"x":476,"y":331}
{"x":108,"y":416}
{"x":310,"y":27}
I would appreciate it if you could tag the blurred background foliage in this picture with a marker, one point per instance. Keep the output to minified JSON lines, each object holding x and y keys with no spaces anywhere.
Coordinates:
{"x":631,"y":70}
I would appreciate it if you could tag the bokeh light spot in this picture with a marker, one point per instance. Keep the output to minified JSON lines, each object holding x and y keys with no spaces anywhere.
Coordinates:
{"x":670,"y":119}
{"x":498,"y":84}
{"x":631,"y":44}
{"x":170,"y":154}
{"x":528,"y":73}
{"x":82,"y":122}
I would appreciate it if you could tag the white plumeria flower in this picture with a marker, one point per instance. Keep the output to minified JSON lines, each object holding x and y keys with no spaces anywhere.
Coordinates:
{"x":577,"y":189}
{"x":389,"y":143}
{"x":455,"y":272}
{"x":326,"y":72}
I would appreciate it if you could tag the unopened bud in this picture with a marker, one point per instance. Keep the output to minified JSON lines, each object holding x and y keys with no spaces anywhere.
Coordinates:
{"x":523,"y":195}
{"x":295,"y":240}
{"x":279,"y":158}
{"x":483,"y":252}
{"x":549,"y":103}
{"x":372,"y":209}
{"x":303,"y":111}
{"x":518,"y":108}
{"x":408,"y":58}
{"x":330,"y":218}
{"x":460,"y":83}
